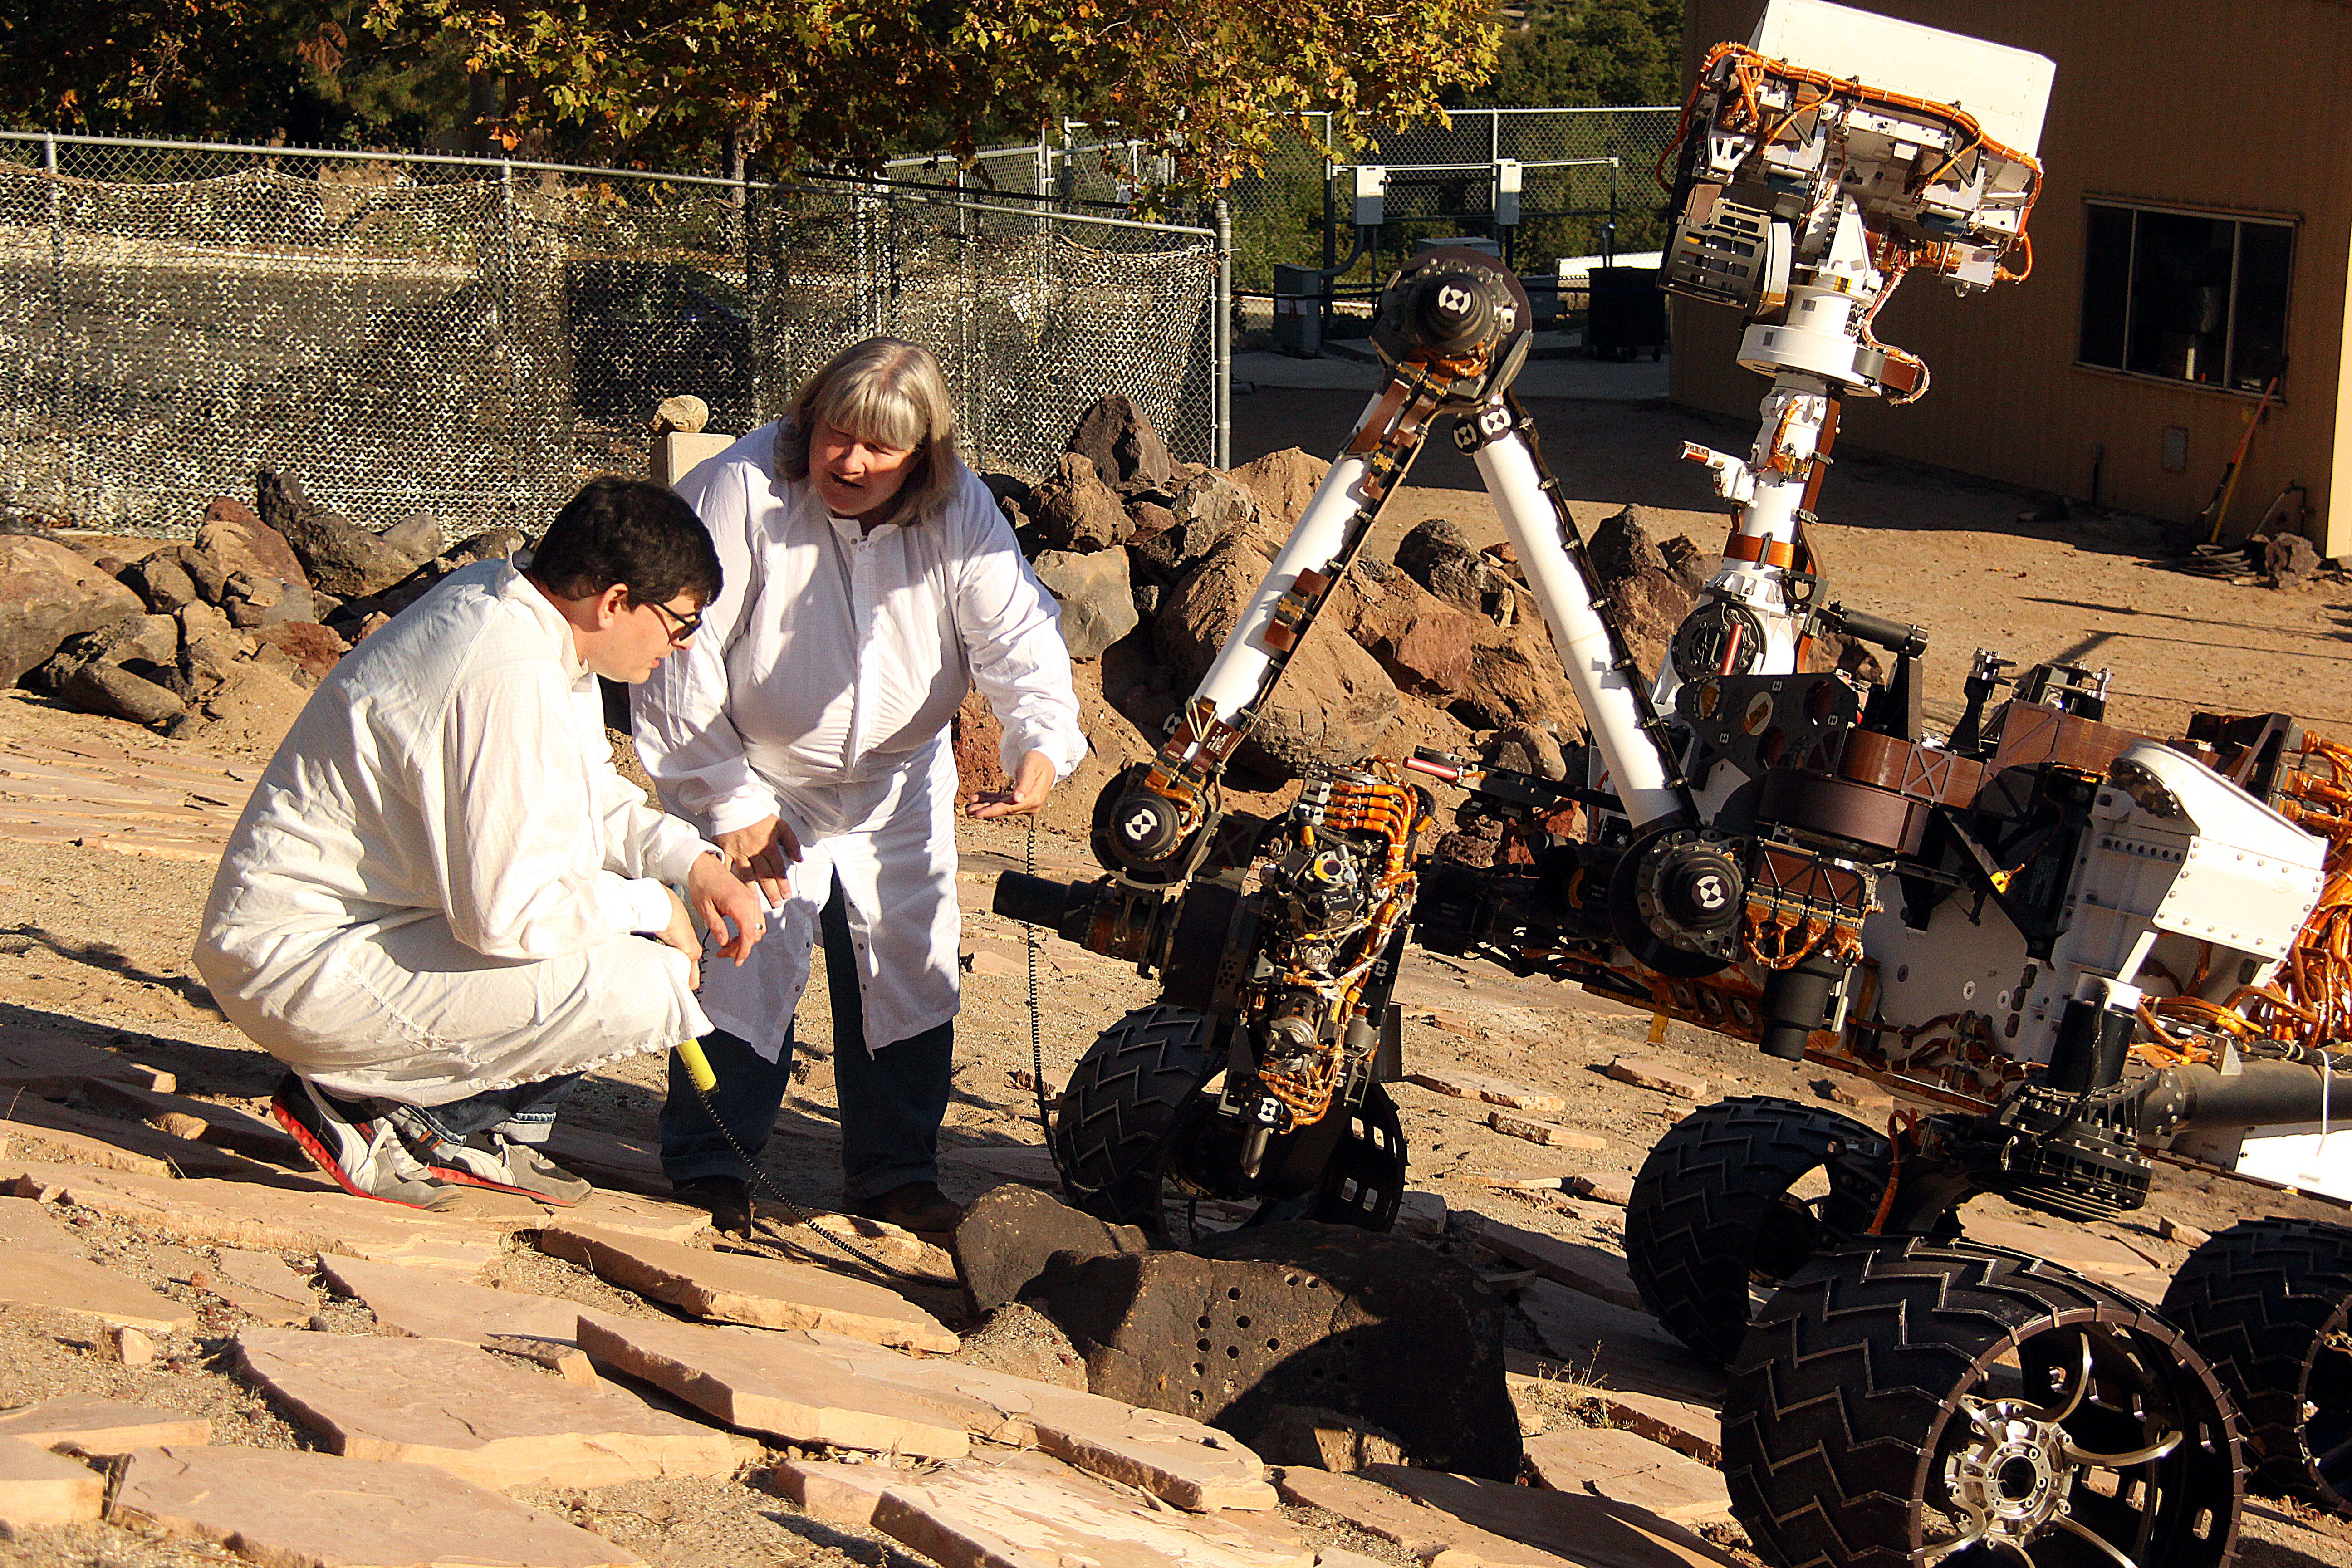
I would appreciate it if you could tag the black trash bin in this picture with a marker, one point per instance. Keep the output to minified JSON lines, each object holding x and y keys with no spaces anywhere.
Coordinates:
{"x":1625,"y":313}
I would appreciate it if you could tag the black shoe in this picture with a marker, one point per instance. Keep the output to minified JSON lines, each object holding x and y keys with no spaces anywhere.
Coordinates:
{"x":729,"y":1199}
{"x":917,"y":1206}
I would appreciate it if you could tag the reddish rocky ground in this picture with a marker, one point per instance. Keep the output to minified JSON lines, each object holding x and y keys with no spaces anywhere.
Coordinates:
{"x":93,"y":944}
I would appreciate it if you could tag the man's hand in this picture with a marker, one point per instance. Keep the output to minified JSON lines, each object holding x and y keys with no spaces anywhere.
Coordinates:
{"x":680,"y":934}
{"x":762,"y":853}
{"x":725,"y":901}
{"x":1031,"y":784}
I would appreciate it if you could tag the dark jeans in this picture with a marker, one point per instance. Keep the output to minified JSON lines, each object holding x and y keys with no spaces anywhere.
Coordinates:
{"x":524,"y":1112}
{"x":892,"y":1100}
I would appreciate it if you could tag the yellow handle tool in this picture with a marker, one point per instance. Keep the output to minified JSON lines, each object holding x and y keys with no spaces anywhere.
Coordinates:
{"x":697,"y":1066}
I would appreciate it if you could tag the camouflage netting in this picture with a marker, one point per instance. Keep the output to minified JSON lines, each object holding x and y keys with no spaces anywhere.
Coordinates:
{"x":414,"y":339}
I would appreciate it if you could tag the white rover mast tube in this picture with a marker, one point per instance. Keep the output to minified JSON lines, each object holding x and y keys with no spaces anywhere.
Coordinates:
{"x":1233,"y":679}
{"x":1608,"y":690}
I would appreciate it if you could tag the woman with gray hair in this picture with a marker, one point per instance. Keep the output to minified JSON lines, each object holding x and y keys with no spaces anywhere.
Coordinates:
{"x":871,"y":582}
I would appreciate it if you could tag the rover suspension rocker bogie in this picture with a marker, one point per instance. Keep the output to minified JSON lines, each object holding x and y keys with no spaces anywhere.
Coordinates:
{"x":2073,"y":950}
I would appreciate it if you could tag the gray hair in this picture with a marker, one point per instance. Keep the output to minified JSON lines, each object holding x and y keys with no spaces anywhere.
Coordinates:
{"x":889,"y":392}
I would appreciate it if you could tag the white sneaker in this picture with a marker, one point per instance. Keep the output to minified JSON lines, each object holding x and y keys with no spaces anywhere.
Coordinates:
{"x":362,"y":1154}
{"x":491,"y":1159}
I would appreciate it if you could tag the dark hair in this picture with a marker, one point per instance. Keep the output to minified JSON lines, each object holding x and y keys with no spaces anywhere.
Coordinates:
{"x":631,"y":532}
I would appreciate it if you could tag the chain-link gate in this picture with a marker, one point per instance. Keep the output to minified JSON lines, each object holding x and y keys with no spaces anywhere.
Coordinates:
{"x":469,"y":337}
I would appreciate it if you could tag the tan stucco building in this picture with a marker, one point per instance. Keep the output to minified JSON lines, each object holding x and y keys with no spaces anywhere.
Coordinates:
{"x":2191,"y":235}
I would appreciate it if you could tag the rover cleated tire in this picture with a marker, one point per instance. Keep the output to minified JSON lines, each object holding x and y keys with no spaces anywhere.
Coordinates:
{"x":1116,"y":1131}
{"x":1712,"y":1210}
{"x":2265,"y":1301}
{"x":1911,"y":1402}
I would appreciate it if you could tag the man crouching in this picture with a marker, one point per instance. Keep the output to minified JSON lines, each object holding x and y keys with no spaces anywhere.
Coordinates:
{"x":435,"y":908}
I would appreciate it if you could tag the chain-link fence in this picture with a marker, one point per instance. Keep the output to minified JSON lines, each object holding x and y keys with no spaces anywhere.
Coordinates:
{"x":1586,"y":187}
{"x":469,"y":338}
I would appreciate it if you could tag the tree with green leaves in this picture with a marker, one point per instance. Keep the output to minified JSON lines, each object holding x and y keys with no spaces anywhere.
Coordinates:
{"x":306,"y":71}
{"x":837,"y":82}
{"x":1586,"y":54}
{"x":848,"y":81}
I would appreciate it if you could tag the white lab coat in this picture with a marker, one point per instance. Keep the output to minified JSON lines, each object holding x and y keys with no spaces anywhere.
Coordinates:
{"x":820,"y":690}
{"x":433,"y":888}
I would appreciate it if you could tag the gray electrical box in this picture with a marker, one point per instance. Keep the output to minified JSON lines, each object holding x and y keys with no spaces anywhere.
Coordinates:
{"x":1370,"y":187}
{"x":1507,"y":193}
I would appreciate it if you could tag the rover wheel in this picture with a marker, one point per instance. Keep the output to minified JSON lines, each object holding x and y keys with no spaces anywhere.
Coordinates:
{"x":1132,"y":1100}
{"x":1717,"y":1206}
{"x":1913,"y":1403}
{"x":2265,"y":1301}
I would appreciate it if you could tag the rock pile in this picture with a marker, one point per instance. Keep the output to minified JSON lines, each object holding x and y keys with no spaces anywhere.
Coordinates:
{"x":1155,"y":561}
{"x":258,"y":607}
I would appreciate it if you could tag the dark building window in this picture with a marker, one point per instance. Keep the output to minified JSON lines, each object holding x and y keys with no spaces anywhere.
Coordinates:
{"x":2185,"y":295}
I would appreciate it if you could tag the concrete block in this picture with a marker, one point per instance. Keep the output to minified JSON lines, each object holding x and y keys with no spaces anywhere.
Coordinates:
{"x":292,"y":1509}
{"x":833,"y":1492}
{"x":763,"y":1292}
{"x":45,"y":1064}
{"x":26,"y":1226}
{"x":1421,"y":1213}
{"x":1629,"y":1468}
{"x":260,"y":1284}
{"x":291,"y":1213}
{"x":475,"y":1414}
{"x":102,"y":1427}
{"x":676,"y":452}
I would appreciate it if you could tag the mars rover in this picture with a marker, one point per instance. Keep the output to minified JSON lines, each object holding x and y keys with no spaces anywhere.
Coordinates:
{"x":2082,"y":949}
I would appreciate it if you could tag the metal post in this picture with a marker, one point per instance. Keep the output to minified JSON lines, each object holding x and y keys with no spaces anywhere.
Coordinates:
{"x":1223,"y":337}
{"x":506,"y":335}
{"x":58,"y":314}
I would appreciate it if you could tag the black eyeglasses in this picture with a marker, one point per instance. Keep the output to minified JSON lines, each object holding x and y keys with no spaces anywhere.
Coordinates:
{"x":681,"y":627}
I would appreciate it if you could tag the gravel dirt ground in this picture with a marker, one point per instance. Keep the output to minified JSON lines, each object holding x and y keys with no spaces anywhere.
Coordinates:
{"x":95,"y":945}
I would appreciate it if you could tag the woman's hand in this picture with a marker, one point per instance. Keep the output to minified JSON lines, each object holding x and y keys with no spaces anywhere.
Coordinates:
{"x":762,"y":853}
{"x":680,"y":934}
{"x":1031,"y":784}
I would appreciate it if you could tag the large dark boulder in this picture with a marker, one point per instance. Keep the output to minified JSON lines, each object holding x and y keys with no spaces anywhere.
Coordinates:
{"x":1379,"y":1330}
{"x":344,"y":559}
{"x":1009,"y":1235}
{"x":1076,"y":510}
{"x":1125,"y":450}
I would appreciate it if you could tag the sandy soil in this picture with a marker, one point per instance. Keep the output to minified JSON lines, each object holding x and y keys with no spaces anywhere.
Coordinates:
{"x":96,"y":945}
